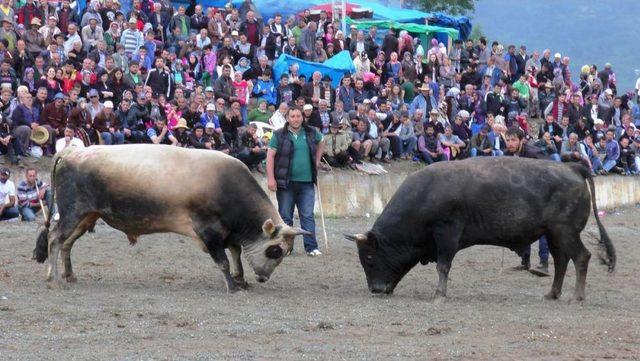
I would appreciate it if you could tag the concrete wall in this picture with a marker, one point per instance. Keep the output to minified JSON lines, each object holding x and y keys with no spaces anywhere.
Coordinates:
{"x":353,"y":194}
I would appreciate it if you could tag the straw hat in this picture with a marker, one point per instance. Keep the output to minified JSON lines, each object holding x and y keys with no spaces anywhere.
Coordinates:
{"x":40,"y":135}
{"x":182,"y":123}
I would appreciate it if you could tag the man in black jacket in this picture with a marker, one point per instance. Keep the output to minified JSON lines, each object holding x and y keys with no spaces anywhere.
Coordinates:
{"x":159,"y":79}
{"x":517,"y":147}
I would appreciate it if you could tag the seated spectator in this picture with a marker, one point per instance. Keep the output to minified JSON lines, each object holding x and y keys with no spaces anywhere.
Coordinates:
{"x":429,"y":147}
{"x":594,"y":155}
{"x":627,"y":159}
{"x":9,"y":144}
{"x":361,"y":141}
{"x":548,"y":147}
{"x":480,"y":144}
{"x":612,"y":153}
{"x":218,"y":141}
{"x":573,"y":151}
{"x":197,"y":138}
{"x":452,"y":145}
{"x":181,"y":132}
{"x":260,"y":114}
{"x":265,"y":89}
{"x":336,"y":147}
{"x":250,"y":149}
{"x":30,"y":192}
{"x":518,"y":147}
{"x":407,"y":136}
{"x":8,"y":205}
{"x":279,"y":117}
{"x":107,"y":123}
{"x":159,"y":133}
{"x":69,"y":139}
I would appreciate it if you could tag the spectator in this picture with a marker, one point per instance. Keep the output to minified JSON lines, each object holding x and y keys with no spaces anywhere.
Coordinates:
{"x":429,"y":147}
{"x":108,"y":124}
{"x":8,"y":205}
{"x":159,"y":133}
{"x":69,"y":139}
{"x":250,"y":149}
{"x":548,"y":146}
{"x":627,"y":159}
{"x":293,"y":175}
{"x":30,"y":192}
{"x":480,"y":145}
{"x":612,"y":155}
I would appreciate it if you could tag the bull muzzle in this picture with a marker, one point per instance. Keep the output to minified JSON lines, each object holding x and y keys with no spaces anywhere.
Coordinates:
{"x":262,"y":278}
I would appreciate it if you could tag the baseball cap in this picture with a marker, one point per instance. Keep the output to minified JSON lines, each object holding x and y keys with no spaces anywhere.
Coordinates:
{"x":93,"y":93}
{"x":108,"y":104}
{"x":211,"y":106}
{"x":609,"y":91}
{"x":58,"y":96}
{"x":5,"y":171}
{"x":208,"y":89}
{"x":307,"y":107}
{"x":210,"y":125}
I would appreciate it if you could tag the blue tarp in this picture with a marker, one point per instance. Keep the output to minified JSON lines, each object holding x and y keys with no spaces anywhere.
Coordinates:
{"x":336,"y":67}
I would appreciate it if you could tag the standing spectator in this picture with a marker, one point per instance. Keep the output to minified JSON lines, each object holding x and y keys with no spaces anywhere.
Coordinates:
{"x":159,"y":79}
{"x":295,"y":151}
{"x":30,"y":192}
{"x":132,"y":38}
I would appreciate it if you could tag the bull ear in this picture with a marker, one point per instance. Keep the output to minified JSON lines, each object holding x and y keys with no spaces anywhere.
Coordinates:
{"x":269,"y":228}
{"x":357,"y":238}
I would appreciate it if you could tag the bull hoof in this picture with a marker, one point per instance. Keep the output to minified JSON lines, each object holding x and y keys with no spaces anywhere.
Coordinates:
{"x":439,"y":298}
{"x":71,"y":278}
{"x":552,"y":296}
{"x":577,"y":300}
{"x":241,"y":283}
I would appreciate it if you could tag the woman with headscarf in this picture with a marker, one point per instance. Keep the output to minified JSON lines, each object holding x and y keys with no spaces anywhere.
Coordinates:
{"x":81,"y":119}
{"x":112,"y":37}
{"x":377,"y":66}
{"x":405,"y":42}
{"x":28,"y":80}
{"x":408,"y":67}
{"x":393,"y":69}
{"x":338,"y":42}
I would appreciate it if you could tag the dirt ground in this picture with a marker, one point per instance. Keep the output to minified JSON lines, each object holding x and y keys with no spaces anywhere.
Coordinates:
{"x":164,"y":299}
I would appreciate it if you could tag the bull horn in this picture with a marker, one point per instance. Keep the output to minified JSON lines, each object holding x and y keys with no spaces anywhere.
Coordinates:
{"x":357,"y":238}
{"x":295,"y":231}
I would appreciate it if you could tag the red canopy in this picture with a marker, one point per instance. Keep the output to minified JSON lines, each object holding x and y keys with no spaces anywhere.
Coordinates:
{"x":329,"y":10}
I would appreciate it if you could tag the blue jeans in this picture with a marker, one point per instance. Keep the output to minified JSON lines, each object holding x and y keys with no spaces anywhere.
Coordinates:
{"x":10,"y":213}
{"x":301,"y":195}
{"x":112,"y":138}
{"x":543,"y":251}
{"x":494,"y":152}
{"x":137,"y":136}
{"x":28,"y":213}
{"x":408,"y":145}
{"x":609,"y":164}
{"x":596,"y":164}
{"x":556,"y":157}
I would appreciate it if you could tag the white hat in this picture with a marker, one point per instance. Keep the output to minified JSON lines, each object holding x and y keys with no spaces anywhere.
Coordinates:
{"x":557,"y":55}
{"x":598,"y":121}
{"x":608,"y":91}
{"x":211,"y":106}
{"x":108,"y":104}
{"x":464,"y":114}
{"x":210,"y":125}
{"x":307,"y":107}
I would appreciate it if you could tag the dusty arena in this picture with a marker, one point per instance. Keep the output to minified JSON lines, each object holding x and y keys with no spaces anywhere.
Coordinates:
{"x":165,"y":299}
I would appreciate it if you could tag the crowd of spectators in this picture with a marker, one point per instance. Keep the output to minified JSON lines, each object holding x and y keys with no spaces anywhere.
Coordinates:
{"x":203,"y":78}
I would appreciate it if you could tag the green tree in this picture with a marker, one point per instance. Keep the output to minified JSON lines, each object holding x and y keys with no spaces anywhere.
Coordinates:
{"x":450,"y":7}
{"x":476,"y":32}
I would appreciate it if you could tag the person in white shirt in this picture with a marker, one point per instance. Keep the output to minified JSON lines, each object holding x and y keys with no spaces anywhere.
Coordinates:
{"x":69,"y":140}
{"x":279,"y":118}
{"x":8,"y":208}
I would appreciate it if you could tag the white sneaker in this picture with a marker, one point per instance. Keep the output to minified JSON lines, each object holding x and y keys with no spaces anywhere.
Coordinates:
{"x":314,"y":253}
{"x":56,"y":217}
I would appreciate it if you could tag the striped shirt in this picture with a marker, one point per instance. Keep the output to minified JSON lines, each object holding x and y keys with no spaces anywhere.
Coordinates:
{"x":131,"y":40}
{"x":27,"y":194}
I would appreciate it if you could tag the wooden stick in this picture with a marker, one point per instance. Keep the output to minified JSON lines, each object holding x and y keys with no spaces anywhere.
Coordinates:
{"x":324,"y":229}
{"x":42,"y":206}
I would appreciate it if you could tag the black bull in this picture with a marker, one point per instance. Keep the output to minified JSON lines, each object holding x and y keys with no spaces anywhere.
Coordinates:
{"x":508,"y":202}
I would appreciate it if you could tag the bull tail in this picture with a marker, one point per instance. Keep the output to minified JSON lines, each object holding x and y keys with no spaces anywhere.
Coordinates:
{"x":607,"y":252}
{"x":41,"y":252}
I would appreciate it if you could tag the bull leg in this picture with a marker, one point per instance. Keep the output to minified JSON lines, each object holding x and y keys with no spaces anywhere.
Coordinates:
{"x":562,"y":248}
{"x":446,"y":238}
{"x":215,"y":245}
{"x":581,"y":262}
{"x":54,"y":249}
{"x":237,"y":272}
{"x":80,"y":230}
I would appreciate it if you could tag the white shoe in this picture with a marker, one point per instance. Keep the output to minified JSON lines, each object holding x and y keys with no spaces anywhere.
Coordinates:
{"x":56,"y":217}
{"x":314,"y":253}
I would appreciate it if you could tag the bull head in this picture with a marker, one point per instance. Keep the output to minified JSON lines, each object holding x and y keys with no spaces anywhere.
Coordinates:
{"x":287,"y":233}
